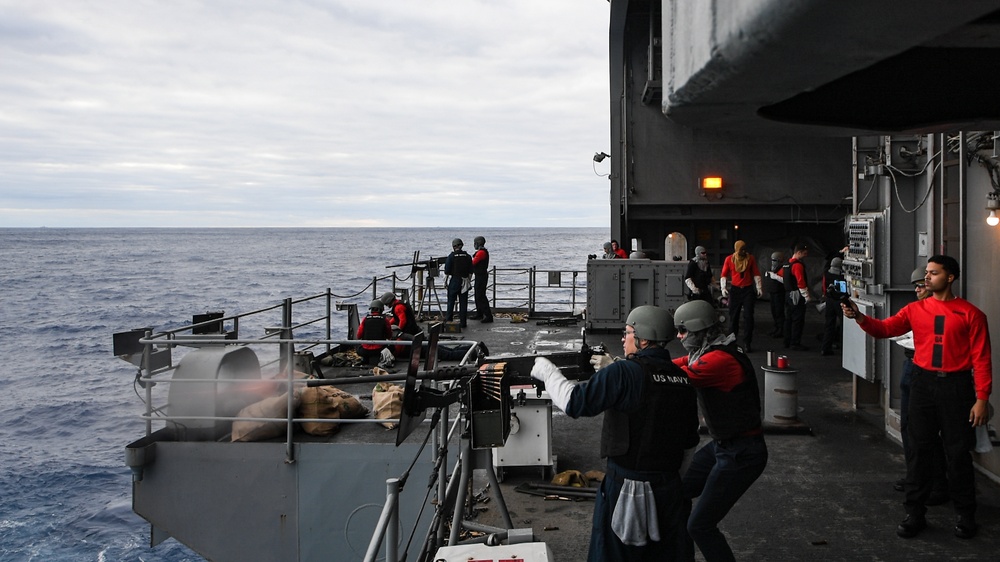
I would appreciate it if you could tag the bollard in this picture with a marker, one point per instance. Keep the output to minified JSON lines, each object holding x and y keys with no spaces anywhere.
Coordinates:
{"x":781,"y":396}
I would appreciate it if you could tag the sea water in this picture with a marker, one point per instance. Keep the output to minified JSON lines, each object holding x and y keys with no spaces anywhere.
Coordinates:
{"x":68,"y":406}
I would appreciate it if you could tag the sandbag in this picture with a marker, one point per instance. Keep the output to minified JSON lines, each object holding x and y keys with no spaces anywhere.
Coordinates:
{"x":388,"y":402}
{"x":328,"y":403}
{"x":273,"y":407}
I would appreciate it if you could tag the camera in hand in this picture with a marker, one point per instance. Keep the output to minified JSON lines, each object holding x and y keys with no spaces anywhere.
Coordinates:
{"x":838,"y":291}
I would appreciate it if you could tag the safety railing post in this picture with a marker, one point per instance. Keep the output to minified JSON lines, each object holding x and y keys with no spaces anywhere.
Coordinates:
{"x":329,"y":318}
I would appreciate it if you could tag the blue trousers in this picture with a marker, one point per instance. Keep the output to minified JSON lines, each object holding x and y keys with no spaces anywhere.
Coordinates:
{"x":606,"y":546}
{"x":720,"y":473}
{"x":463,"y":304}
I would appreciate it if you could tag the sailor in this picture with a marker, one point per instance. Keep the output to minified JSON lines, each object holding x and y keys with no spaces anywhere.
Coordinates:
{"x":740,"y":270}
{"x":728,"y":396}
{"x":650,"y":422}
{"x":481,"y":267}
{"x":950,"y":388}
{"x":797,"y":295}
{"x":776,"y":291}
{"x":401,"y":314}
{"x":698,"y":277}
{"x":457,"y":269}
{"x":374,"y":326}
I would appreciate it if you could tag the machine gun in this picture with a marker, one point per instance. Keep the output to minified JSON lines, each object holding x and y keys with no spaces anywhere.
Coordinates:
{"x":482,"y":388}
{"x":432,"y":266}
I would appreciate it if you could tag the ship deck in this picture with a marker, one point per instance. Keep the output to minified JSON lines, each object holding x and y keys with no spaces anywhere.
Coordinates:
{"x":825,"y":495}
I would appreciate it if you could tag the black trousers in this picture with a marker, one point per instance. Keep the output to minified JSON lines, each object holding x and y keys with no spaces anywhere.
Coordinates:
{"x":778,"y":312}
{"x":939,"y":405}
{"x":742,"y":299}
{"x":831,"y":324}
{"x":795,"y":321}
{"x":482,"y":303}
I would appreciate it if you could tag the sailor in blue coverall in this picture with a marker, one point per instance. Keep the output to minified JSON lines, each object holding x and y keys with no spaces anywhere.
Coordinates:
{"x":650,"y":426}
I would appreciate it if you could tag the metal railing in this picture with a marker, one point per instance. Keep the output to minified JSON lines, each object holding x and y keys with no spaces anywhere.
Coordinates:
{"x":512,"y":290}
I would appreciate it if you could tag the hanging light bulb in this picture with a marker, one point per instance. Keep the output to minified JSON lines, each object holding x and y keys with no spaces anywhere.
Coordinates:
{"x":992,"y":204}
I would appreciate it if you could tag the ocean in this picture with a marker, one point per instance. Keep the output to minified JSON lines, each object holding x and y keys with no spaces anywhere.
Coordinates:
{"x":67,"y":405}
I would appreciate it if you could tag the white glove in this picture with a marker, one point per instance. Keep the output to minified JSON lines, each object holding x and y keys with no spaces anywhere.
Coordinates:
{"x":725,"y":293}
{"x":725,"y":289}
{"x":558,"y":387}
{"x":690,"y":285}
{"x":805,"y":295}
{"x":387,"y":359}
{"x":775,"y":276}
{"x":759,"y":283}
{"x":601,"y":361}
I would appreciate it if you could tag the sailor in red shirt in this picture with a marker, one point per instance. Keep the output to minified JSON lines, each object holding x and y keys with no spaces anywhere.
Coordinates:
{"x":741,"y":273}
{"x":950,"y":387}
{"x":621,"y":253}
{"x":728,"y":397}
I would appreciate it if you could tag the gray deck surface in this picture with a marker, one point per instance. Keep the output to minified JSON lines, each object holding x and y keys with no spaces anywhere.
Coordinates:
{"x":825,"y":496}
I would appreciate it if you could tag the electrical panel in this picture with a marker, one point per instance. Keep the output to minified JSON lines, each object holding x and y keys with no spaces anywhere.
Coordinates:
{"x":859,"y":263}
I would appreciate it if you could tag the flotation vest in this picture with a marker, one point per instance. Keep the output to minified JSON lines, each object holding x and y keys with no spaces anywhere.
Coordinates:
{"x":373,"y":328}
{"x":655,"y":435}
{"x":736,"y":412}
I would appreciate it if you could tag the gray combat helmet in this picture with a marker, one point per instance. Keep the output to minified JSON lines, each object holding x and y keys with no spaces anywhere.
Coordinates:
{"x":777,"y":256}
{"x":457,"y":243}
{"x":376,"y":305}
{"x":917,"y":276}
{"x":652,"y":323}
{"x":695,"y":316}
{"x":387,"y":298}
{"x":479,"y":242}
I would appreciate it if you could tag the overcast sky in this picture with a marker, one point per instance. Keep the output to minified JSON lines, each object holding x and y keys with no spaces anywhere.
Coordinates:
{"x":303,"y":113}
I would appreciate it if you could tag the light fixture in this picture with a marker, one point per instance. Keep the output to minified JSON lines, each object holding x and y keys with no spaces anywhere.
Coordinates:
{"x":711,"y":187}
{"x":600,"y":156}
{"x":992,"y":204}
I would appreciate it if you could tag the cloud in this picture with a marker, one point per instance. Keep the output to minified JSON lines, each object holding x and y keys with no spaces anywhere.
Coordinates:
{"x":303,"y":112}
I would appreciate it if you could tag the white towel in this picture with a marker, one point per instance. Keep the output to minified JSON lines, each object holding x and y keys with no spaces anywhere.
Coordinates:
{"x":634,"y":520}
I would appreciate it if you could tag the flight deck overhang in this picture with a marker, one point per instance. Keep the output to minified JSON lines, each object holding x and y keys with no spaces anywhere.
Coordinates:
{"x":828,"y":68}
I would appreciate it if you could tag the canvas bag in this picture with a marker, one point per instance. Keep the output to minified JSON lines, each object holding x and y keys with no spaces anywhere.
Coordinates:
{"x":387,"y":400}
{"x":328,"y":403}
{"x":273,"y":407}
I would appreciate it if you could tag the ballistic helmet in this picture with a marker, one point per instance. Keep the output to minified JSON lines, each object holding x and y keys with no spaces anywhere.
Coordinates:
{"x":607,"y":246}
{"x":695,"y":316}
{"x":917,"y":276}
{"x":835,"y":266}
{"x":777,"y":256}
{"x":457,"y":243}
{"x":652,"y":323}
{"x":387,"y":298}
{"x":376,"y":305}
{"x":478,"y":242}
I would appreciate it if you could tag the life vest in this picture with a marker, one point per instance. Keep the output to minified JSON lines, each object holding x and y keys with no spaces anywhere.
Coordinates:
{"x":373,"y":328}
{"x":736,"y":412}
{"x":655,"y":435}
{"x":791,"y":282}
{"x":411,"y":326}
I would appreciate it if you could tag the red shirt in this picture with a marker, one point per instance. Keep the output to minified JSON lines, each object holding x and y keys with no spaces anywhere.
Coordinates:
{"x":798,"y":272}
{"x":744,"y":279}
{"x":715,"y":369}
{"x":621,"y":253}
{"x":399,"y":317}
{"x":947,"y":336}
